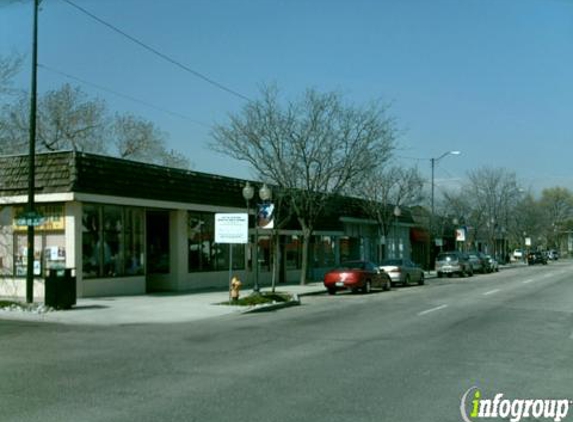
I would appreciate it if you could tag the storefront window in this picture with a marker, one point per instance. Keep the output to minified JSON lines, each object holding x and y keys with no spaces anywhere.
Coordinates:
{"x":293,"y":249}
{"x":204,"y":253}
{"x":322,"y":251}
{"x":112,"y":241}
{"x":49,"y":240}
{"x":133,"y":263}
{"x":349,"y":248}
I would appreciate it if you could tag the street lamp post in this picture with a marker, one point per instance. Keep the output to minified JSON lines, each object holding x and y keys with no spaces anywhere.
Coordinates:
{"x":265,"y":194}
{"x":248,"y":193}
{"x":397,"y":213}
{"x":433,"y":162}
{"x":456,"y":222}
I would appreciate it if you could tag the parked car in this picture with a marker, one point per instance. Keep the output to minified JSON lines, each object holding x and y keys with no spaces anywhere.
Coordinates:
{"x":518,"y":255}
{"x":553,"y":255}
{"x":403,"y":271}
{"x":492,"y":263}
{"x":356,"y":276}
{"x":478,"y":265}
{"x":454,"y":262}
{"x":536,"y":257}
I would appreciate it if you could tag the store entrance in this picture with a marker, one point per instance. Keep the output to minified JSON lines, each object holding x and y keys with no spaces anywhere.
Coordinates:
{"x":157,"y":247}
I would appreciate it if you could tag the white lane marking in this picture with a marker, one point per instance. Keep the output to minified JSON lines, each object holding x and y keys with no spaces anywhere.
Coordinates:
{"x":491,"y":292}
{"x":437,"y":308}
{"x":530,"y":280}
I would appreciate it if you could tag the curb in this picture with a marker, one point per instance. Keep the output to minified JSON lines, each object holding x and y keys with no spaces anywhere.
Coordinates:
{"x":295,"y":301}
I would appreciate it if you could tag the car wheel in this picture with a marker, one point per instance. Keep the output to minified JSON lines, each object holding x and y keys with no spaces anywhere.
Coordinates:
{"x":331,"y":291}
{"x":440,"y":275}
{"x":387,"y":285}
{"x":367,"y":287}
{"x":421,"y":280}
{"x":406,"y":280}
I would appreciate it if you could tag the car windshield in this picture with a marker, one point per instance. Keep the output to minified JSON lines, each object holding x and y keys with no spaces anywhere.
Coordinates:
{"x":446,"y":257}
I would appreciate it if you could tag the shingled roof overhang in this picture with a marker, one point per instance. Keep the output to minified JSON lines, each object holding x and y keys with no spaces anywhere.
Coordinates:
{"x":77,"y":172}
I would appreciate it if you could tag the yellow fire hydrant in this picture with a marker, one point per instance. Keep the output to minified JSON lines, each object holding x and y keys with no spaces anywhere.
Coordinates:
{"x":235,"y":288}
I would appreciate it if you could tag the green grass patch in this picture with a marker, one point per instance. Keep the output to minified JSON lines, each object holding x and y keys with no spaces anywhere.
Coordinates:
{"x":10,"y":303}
{"x":261,"y":299}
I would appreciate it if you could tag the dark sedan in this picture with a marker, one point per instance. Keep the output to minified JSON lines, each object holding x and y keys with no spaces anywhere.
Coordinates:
{"x":356,"y":276}
{"x":536,"y":258}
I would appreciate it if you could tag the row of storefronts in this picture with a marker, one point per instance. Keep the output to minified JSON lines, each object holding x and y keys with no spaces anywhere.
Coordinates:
{"x":131,"y":228}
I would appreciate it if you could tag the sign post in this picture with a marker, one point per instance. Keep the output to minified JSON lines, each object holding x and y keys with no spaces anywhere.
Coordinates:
{"x":231,"y":229}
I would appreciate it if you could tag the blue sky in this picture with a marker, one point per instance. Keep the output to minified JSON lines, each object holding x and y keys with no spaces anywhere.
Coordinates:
{"x":491,"y":78}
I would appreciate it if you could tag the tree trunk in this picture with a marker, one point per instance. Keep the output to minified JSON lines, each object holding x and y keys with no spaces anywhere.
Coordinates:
{"x":276,"y":259}
{"x":306,"y":232}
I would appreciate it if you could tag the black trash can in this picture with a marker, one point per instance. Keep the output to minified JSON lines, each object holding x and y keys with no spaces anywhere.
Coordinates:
{"x":60,"y":289}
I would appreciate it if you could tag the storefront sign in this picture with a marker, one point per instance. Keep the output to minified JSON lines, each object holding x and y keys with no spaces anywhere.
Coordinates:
{"x":46,"y":217}
{"x":231,"y":228}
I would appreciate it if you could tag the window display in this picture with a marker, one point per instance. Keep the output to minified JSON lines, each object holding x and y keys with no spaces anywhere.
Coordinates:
{"x":112,"y":241}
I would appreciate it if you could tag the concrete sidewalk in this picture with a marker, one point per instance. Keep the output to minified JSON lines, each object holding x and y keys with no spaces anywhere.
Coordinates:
{"x":150,"y":308}
{"x":159,"y":308}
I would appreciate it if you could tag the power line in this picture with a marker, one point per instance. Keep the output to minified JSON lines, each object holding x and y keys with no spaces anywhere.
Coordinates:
{"x":158,"y":53}
{"x":119,"y":94}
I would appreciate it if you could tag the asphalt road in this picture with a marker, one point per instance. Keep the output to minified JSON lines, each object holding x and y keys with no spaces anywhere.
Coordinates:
{"x":405,"y":355}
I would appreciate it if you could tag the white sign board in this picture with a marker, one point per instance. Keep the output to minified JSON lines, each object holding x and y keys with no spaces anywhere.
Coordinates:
{"x":231,"y":228}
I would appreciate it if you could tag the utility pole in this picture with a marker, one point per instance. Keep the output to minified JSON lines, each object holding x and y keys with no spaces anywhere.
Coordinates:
{"x":32,"y":161}
{"x":433,"y":162}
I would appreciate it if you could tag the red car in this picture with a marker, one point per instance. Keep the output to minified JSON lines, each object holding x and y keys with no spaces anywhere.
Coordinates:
{"x":356,"y":275}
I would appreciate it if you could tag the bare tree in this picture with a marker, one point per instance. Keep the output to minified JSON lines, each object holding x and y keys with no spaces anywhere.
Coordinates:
{"x":9,"y":67}
{"x":172,"y":158}
{"x":311,"y":148}
{"x":493,"y":191}
{"x":68,"y":119}
{"x":557,"y":208}
{"x":386,"y":188}
{"x":138,"y":139}
{"x":487,"y":202}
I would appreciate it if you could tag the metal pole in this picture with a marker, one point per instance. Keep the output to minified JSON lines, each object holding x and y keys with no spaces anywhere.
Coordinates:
{"x":433,"y":161}
{"x":230,"y":268}
{"x":256,"y":288}
{"x":32,"y":161}
{"x":396,"y":236}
